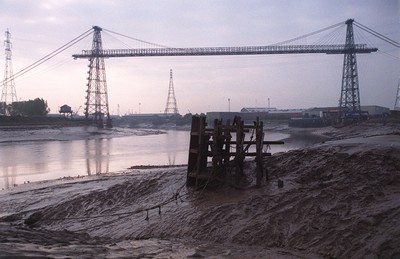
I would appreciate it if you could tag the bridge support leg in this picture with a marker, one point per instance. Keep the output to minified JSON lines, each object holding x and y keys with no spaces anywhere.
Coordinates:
{"x":97,"y":97}
{"x":350,"y":97}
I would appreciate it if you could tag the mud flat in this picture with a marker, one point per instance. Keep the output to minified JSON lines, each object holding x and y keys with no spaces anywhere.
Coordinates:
{"x":339,"y":199}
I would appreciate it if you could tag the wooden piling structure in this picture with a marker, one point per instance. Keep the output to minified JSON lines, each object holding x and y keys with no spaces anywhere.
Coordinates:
{"x":216,"y":143}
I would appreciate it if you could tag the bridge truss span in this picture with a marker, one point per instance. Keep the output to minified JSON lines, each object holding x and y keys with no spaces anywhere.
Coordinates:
{"x":349,"y":102}
{"x":220,"y":51}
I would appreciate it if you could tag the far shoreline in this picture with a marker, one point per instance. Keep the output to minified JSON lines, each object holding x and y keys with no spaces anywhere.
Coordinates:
{"x":19,"y":122}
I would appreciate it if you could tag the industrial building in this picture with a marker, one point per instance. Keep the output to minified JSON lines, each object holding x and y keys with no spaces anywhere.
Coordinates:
{"x":264,"y":113}
{"x":333,"y":112}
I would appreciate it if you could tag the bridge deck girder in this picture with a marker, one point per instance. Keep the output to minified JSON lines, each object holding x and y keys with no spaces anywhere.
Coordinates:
{"x":219,"y":51}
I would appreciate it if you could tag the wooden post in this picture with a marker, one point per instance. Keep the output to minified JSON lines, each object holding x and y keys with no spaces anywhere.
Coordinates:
{"x":197,"y":161}
{"x":220,"y":150}
{"x":239,"y":150}
{"x":215,"y":145}
{"x":228,"y":138}
{"x":259,"y":146}
{"x":193,"y":151}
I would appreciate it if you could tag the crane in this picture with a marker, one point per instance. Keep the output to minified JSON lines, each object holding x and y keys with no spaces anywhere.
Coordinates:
{"x":75,"y":114}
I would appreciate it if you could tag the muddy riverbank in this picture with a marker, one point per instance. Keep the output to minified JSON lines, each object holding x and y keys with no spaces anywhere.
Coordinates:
{"x":340,"y":199}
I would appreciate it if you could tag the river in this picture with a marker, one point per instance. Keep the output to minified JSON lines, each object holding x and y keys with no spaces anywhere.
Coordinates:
{"x":52,"y":153}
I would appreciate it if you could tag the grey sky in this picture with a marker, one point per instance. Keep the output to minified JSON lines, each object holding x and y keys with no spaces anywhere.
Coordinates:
{"x":201,"y":83}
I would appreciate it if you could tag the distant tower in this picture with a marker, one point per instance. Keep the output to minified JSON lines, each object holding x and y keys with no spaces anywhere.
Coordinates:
{"x":97,"y":97}
{"x":8,"y":94}
{"x":350,"y":96}
{"x":171,"y":106}
{"x":397,"y":102}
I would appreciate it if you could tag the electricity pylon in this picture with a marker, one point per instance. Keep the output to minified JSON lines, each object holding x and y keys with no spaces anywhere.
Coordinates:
{"x":171,"y":107}
{"x":8,"y":93}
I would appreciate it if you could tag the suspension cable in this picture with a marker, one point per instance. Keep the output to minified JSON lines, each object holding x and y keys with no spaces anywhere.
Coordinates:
{"x":48,"y":56}
{"x":331,"y":38}
{"x":115,"y":38}
{"x":309,"y":34}
{"x":141,"y":41}
{"x":388,"y":55}
{"x":377,"y":34}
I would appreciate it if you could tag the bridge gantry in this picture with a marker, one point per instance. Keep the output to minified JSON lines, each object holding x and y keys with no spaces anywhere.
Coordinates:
{"x":96,"y":106}
{"x":97,"y":99}
{"x":349,"y":103}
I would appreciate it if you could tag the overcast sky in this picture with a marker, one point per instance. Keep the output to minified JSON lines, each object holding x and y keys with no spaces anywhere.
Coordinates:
{"x":201,"y":83}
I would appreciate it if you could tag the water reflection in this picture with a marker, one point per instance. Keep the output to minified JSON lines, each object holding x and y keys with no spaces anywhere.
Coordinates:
{"x":302,"y":139}
{"x":171,"y":158}
{"x":9,"y":174}
{"x":171,"y":142}
{"x":37,"y":160}
{"x":97,"y":156}
{"x":20,"y":160}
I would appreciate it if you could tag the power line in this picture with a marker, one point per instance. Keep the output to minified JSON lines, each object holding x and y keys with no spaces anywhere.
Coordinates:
{"x":49,"y":56}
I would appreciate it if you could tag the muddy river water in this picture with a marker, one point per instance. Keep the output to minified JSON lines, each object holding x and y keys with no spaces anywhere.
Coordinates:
{"x":43,"y":154}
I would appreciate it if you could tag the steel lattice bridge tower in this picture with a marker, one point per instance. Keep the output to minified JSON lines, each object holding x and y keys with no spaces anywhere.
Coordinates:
{"x":96,"y":94}
{"x":8,"y":93}
{"x":349,"y":107}
{"x":397,"y":101}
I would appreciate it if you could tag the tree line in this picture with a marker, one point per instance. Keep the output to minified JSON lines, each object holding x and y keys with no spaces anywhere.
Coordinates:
{"x":30,"y":108}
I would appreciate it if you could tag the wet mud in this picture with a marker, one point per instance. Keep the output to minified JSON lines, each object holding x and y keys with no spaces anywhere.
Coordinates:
{"x":338,"y":200}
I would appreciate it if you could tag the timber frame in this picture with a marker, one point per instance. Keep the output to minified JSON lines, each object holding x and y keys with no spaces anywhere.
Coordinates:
{"x":217,"y":144}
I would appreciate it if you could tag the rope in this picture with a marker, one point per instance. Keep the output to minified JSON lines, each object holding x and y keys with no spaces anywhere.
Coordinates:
{"x":129,"y":214}
{"x":172,"y":199}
